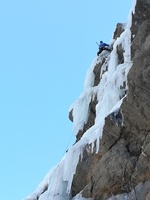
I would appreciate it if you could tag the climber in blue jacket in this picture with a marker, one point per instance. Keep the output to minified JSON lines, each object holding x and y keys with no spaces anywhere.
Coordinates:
{"x":102,"y":46}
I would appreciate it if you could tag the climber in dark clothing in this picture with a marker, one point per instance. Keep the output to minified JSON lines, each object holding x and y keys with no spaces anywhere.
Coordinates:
{"x":102,"y":46}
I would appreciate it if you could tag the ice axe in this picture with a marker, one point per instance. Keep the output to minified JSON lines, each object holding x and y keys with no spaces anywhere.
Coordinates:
{"x":97,"y":43}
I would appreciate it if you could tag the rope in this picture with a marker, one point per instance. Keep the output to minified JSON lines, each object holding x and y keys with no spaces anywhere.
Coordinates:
{"x":58,"y":175}
{"x":68,"y":144}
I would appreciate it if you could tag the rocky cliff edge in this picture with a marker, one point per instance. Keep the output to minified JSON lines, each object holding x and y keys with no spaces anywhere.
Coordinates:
{"x":121,"y":168}
{"x":111,"y":119}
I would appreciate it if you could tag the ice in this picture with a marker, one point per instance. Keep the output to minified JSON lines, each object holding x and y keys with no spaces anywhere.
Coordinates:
{"x":110,"y":93}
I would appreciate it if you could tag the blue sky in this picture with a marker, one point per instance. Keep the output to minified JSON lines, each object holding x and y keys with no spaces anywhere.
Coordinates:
{"x":46,"y":48}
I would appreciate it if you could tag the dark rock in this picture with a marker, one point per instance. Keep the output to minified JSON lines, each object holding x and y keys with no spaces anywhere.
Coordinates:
{"x":141,"y":191}
{"x":122,"y":167}
{"x":97,"y":71}
{"x":119,"y":30}
{"x":91,"y":119}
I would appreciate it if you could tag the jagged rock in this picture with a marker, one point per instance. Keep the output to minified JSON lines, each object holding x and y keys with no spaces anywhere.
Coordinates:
{"x":120,"y":52}
{"x":138,"y":120}
{"x":82,"y":178}
{"x":113,"y":171}
{"x":97,"y":70}
{"x":111,"y":134}
{"x":123,"y":164}
{"x":70,"y":115}
{"x":120,"y":170}
{"x":90,"y":121}
{"x":119,"y":30}
{"x":141,"y":191}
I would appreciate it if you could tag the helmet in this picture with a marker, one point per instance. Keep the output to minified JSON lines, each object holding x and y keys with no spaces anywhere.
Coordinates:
{"x":101,"y":41}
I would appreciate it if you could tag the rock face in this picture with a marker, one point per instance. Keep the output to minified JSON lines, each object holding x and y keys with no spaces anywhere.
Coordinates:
{"x":121,"y":168}
{"x":110,"y":159}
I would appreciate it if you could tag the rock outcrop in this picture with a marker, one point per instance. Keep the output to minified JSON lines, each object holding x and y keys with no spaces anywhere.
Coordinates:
{"x":122,"y":165}
{"x":111,"y":162}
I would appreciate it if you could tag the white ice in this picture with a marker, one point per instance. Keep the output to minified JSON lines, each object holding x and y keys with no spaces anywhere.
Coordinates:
{"x":57,"y":183}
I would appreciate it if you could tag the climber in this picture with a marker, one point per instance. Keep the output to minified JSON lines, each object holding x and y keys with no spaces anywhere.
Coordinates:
{"x":103,"y":46}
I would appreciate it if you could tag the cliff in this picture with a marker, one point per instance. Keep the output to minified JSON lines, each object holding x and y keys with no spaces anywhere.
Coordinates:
{"x":111,"y":120}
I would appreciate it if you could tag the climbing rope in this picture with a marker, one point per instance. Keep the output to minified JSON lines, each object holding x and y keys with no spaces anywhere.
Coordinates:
{"x":59,"y":169}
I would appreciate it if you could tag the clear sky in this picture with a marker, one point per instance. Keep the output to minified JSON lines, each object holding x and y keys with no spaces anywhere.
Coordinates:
{"x":46,"y":48}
